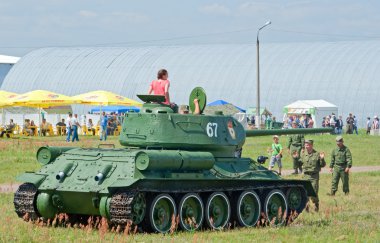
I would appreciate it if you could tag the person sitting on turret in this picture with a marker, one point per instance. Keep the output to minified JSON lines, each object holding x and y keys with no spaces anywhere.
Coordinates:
{"x":161,"y":85}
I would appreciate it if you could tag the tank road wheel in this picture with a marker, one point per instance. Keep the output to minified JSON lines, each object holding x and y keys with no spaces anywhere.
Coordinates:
{"x":217,"y":210}
{"x":248,"y":208}
{"x":276,"y":207}
{"x":161,"y":213}
{"x":191,"y":212}
{"x":297,"y":199}
{"x":25,"y":202}
{"x":127,"y":207}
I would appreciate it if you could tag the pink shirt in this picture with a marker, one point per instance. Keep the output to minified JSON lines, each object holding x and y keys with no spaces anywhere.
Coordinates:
{"x":158,"y":87}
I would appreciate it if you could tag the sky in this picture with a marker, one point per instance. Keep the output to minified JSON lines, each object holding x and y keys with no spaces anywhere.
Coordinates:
{"x":26,"y":25}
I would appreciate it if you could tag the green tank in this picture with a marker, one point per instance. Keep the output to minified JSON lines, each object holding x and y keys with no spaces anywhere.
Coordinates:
{"x":173,"y":170}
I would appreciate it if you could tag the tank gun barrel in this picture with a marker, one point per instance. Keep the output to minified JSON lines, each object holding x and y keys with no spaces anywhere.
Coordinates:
{"x":256,"y":133}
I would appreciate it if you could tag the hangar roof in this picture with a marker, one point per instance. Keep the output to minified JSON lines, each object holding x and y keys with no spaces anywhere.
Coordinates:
{"x":346,"y":74}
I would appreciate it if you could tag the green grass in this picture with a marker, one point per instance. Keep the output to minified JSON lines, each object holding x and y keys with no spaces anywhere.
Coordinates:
{"x":19,"y":155}
{"x":353,"y":218}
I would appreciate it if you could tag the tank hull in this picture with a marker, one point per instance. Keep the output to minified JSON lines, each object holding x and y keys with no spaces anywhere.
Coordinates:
{"x":135,"y":178}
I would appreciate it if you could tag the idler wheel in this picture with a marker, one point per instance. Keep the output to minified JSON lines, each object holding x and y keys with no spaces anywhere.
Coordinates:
{"x":162,"y":211}
{"x":191,"y":212}
{"x":218,"y":210}
{"x":276,"y":207}
{"x":248,"y":208}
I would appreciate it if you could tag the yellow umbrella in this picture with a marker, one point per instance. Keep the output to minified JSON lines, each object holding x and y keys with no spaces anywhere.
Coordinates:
{"x":4,"y":101}
{"x":104,"y":98}
{"x":41,"y":99}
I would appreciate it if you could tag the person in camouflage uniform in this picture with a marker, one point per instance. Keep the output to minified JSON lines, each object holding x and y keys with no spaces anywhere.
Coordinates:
{"x":313,"y":162}
{"x":296,"y":142}
{"x":341,"y":163}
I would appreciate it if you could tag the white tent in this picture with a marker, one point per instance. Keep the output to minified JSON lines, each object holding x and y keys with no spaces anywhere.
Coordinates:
{"x":316,"y":108}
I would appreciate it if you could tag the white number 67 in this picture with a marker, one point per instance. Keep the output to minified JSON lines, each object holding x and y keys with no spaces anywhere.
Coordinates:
{"x":212,"y":129}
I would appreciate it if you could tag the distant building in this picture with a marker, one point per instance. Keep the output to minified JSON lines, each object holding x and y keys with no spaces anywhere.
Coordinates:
{"x":6,"y":63}
{"x":346,"y":74}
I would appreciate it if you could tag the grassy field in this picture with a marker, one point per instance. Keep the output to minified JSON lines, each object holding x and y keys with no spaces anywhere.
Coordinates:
{"x":353,"y":218}
{"x":19,"y":155}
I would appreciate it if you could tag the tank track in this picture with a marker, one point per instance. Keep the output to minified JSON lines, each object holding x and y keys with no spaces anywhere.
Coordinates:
{"x":120,"y":208}
{"x":25,"y":202}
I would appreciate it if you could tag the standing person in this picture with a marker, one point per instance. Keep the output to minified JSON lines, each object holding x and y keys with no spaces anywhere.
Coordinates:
{"x":339,"y":125}
{"x":341,"y":162}
{"x":368,"y":125}
{"x":305,"y":121}
{"x":333,"y":122}
{"x":313,"y":162}
{"x":68,"y":127}
{"x":103,"y":126}
{"x":327,"y":121}
{"x":276,"y":151}
{"x":74,"y":126}
{"x":311,"y":122}
{"x":161,"y":85}
{"x":375,"y":123}
{"x":296,"y":142}
{"x":355,"y":125}
{"x":350,"y":124}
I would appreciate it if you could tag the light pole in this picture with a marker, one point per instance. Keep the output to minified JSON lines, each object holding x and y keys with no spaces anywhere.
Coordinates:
{"x":258,"y":117}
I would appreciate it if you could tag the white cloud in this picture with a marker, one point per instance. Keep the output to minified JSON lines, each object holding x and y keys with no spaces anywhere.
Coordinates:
{"x":215,"y":9}
{"x":87,"y":13}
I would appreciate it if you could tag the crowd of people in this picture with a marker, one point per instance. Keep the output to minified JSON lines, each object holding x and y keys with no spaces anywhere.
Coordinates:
{"x":308,"y":161}
{"x":301,"y":121}
{"x":69,"y":127}
{"x":350,"y":124}
{"x":107,"y":124}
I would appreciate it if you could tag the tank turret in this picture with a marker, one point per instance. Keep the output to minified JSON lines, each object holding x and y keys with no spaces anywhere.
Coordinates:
{"x":159,"y":126}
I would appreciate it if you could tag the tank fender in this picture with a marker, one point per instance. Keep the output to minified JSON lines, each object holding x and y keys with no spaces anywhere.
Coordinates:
{"x":120,"y":183}
{"x":33,"y":178}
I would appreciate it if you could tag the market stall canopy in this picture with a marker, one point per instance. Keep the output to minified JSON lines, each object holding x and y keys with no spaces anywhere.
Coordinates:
{"x":116,"y":109}
{"x":263,"y":111}
{"x":104,"y":98}
{"x":41,"y":99}
{"x":309,"y":107}
{"x":223,"y":102}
